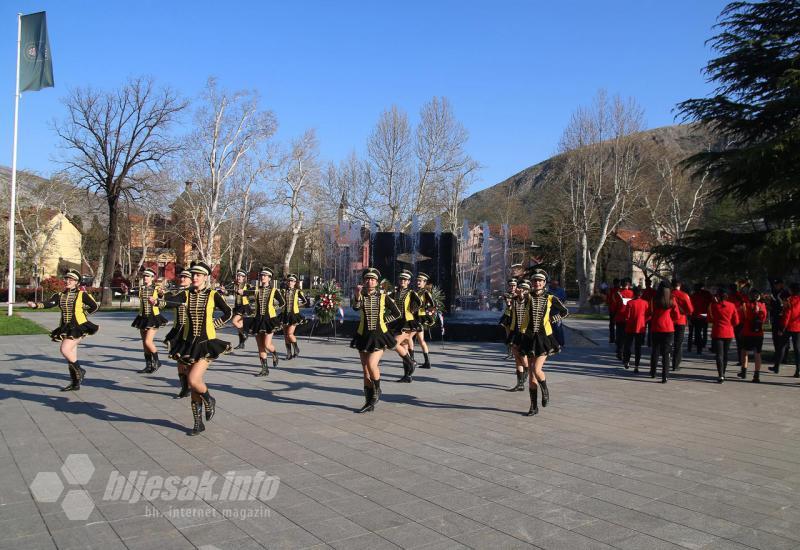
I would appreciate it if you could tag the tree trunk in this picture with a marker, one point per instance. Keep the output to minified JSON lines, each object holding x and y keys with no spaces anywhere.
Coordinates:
{"x":111,"y":251}
{"x":287,"y":260}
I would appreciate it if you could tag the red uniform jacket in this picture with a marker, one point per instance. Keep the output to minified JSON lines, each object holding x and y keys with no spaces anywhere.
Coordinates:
{"x":723,"y":316}
{"x":612,"y":292}
{"x":749,"y":312}
{"x":791,"y":314}
{"x":648,"y":294}
{"x":619,"y":308}
{"x":685,"y":307}
{"x":701,"y":299}
{"x":663,"y":320}
{"x":636,"y":316}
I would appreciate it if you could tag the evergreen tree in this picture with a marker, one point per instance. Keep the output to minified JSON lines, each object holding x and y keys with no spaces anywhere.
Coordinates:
{"x":755,"y":109}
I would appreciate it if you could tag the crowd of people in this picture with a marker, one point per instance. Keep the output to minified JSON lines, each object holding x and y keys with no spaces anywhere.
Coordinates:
{"x":666,"y":316}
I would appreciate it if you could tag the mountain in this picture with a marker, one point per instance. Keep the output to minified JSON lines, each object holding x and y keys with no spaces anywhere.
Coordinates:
{"x":520,"y":190}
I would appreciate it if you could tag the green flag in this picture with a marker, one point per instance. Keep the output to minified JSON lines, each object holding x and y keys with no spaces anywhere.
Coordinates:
{"x":35,"y":61}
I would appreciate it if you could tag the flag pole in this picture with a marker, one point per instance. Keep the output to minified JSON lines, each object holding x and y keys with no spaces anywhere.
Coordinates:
{"x":12,"y":212}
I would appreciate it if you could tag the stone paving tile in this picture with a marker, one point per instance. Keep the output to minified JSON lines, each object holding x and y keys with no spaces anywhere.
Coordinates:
{"x":446,"y":461}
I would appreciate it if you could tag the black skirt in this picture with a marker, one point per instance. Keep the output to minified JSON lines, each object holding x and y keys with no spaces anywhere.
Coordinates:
{"x":752,"y":343}
{"x":143,"y":322}
{"x":373,"y":340}
{"x":293,"y":319}
{"x":244,"y":310}
{"x":400,"y":326}
{"x":172,"y":337}
{"x":537,"y":344}
{"x":264,"y":323}
{"x":189,"y":351}
{"x":73,"y":331}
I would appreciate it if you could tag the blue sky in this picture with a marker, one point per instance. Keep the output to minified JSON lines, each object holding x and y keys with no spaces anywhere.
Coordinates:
{"x":513,"y":70}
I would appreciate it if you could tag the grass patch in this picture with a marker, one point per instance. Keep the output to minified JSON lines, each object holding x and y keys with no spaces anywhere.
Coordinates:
{"x":10,"y":326}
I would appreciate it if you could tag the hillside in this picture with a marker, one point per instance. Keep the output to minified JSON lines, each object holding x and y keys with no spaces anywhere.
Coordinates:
{"x":490,"y":203}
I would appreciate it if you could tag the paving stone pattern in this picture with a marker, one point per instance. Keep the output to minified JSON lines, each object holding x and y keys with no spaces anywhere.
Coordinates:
{"x":445,"y":462}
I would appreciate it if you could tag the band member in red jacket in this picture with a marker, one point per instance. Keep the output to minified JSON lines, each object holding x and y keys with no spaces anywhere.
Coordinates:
{"x":647,"y":295}
{"x":612,"y":327}
{"x":636,"y":317}
{"x":620,"y":299}
{"x":790,"y":321}
{"x":723,"y":316}
{"x":698,"y":334}
{"x":662,"y":312}
{"x":753,"y":313}
{"x":685,"y":310}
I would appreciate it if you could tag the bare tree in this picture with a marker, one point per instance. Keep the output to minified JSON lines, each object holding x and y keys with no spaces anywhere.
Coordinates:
{"x":599,"y":172}
{"x":390,"y":173}
{"x":41,"y":208}
{"x":112,"y":136}
{"x":296,"y":188}
{"x":229,"y":128}
{"x":249,"y":198}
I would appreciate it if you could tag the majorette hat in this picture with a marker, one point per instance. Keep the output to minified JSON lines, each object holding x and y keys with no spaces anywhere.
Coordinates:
{"x":200,"y":267}
{"x":147,"y":271}
{"x":404,"y":274}
{"x":183,"y":272}
{"x":291,"y":277}
{"x":241,"y":272}
{"x":371,"y":273}
{"x":265,"y":271}
{"x":539,"y":275}
{"x":422,"y":275}
{"x":72,"y":274}
{"x":525,"y":284}
{"x":512,"y":281}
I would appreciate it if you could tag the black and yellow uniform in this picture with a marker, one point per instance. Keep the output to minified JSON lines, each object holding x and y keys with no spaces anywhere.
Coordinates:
{"x":241,"y":302}
{"x":176,"y":331}
{"x":75,"y":304}
{"x":149,"y":314}
{"x":199,"y":337}
{"x":409,"y":303}
{"x":532,"y":319}
{"x":426,"y":304}
{"x":268,"y":301}
{"x":508,"y":299}
{"x":377,"y":310}
{"x":294,"y":298}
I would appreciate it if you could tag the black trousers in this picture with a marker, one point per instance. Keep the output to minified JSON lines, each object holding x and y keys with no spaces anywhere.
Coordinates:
{"x":619,"y":338}
{"x":721,"y":347}
{"x":787,"y":338}
{"x":698,"y":335}
{"x":677,"y":347}
{"x":662,"y":347}
{"x":634,"y":341}
{"x":612,"y":328}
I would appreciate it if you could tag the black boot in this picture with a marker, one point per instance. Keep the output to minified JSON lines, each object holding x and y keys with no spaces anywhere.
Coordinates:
{"x":776,"y":369}
{"x":73,"y":375}
{"x":409,"y":365}
{"x":289,"y":350}
{"x":242,"y":340}
{"x":743,"y":373}
{"x":376,"y":392}
{"x":155,"y":362}
{"x":797,"y":372}
{"x":210,"y":403}
{"x":427,"y":363}
{"x":520,"y":385}
{"x":545,"y":393}
{"x":368,"y":405}
{"x":652,"y":372}
{"x":184,"y":387}
{"x":197,"y":413}
{"x":411,"y":353}
{"x":275,"y":359}
{"x":756,"y":378}
{"x":296,"y":349}
{"x":148,"y":361}
{"x":534,"y":405}
{"x":264,"y":367}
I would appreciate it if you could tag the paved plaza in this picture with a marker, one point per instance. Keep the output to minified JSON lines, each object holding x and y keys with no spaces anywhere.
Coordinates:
{"x":445,"y":462}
